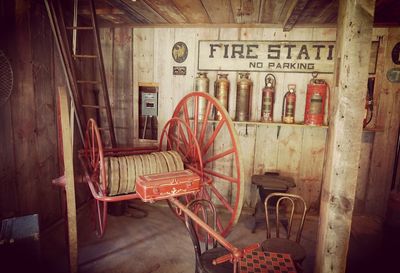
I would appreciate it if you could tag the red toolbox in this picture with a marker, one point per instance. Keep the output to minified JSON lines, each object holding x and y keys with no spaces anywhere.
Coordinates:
{"x":161,"y":186}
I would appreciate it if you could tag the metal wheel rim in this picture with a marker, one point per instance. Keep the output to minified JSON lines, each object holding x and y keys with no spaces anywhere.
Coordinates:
{"x":94,"y":154}
{"x":213,"y":107}
{"x":187,"y":156}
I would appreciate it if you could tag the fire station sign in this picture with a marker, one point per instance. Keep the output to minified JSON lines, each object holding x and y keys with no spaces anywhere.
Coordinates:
{"x":269,"y":56}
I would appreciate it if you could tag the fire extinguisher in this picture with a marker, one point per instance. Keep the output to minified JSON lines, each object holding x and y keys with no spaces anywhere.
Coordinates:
{"x":317,"y":91}
{"x":289,"y":104}
{"x":268,"y":97}
{"x":369,"y":102}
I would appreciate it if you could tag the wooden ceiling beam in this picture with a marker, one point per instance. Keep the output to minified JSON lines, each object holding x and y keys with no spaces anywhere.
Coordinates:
{"x":133,"y":14}
{"x":294,"y":13}
{"x":102,"y":11}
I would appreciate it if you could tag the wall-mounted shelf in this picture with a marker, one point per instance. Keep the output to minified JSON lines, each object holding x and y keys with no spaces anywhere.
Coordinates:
{"x":256,"y":123}
{"x":297,"y":125}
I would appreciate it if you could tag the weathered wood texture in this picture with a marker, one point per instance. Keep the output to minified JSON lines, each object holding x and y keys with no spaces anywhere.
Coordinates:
{"x":117,"y":53}
{"x":281,"y":13}
{"x":298,"y":152}
{"x":8,"y":184}
{"x":384,"y":145}
{"x":68,"y":150}
{"x":344,"y":135}
{"x":295,"y":151}
{"x":29,"y":151}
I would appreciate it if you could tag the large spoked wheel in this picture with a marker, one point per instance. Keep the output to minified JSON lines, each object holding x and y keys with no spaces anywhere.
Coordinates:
{"x":95,"y":162}
{"x":216,"y":136}
{"x":177,"y":136}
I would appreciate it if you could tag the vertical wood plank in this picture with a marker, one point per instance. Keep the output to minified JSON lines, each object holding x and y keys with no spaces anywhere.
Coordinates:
{"x":121,"y":97}
{"x":45,"y":106}
{"x":311,"y":166}
{"x":163,"y":73}
{"x":107,"y":47}
{"x":384,"y":143}
{"x":69,"y":179}
{"x":344,"y":134}
{"x":8,"y":186}
{"x":24,"y":114}
{"x":143,"y":67}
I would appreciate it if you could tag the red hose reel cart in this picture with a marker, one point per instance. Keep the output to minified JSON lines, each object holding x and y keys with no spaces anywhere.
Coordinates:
{"x":208,"y":148}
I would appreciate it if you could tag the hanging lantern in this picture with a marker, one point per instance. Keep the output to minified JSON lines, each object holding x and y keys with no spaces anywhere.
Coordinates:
{"x":268,"y":97}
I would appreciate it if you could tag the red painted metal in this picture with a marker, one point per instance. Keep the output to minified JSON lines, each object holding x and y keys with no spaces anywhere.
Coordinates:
{"x":181,"y":134}
{"x":201,"y":130}
{"x":161,"y":186}
{"x":317,"y":92}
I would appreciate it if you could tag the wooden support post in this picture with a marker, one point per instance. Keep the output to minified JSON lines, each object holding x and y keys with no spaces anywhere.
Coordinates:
{"x":69,"y":179}
{"x":354,"y":34}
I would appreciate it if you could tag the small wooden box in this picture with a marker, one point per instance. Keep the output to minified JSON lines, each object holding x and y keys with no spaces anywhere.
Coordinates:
{"x":161,"y":186}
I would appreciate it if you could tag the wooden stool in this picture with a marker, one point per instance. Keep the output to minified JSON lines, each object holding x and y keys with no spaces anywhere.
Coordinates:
{"x":268,"y":183}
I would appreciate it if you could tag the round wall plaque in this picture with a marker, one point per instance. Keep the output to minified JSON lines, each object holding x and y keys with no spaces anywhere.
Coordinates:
{"x":179,"y":52}
{"x":396,"y":54}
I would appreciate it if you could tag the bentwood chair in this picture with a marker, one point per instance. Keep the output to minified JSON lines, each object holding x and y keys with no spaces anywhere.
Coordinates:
{"x":210,"y":250}
{"x":288,"y":239}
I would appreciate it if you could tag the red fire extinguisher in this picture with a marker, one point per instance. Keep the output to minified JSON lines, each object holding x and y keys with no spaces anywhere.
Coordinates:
{"x":289,"y":104}
{"x":317,"y":91}
{"x":268,"y":97}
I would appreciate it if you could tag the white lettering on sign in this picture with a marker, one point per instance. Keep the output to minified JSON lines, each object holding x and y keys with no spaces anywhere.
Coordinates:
{"x":274,"y":56}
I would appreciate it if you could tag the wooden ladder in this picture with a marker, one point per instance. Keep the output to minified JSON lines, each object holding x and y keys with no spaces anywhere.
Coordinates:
{"x":74,"y":62}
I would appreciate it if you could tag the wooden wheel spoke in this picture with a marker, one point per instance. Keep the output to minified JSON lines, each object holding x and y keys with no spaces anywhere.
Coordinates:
{"x":213,"y":136}
{"x":196,"y":116}
{"x":219,"y":156}
{"x":221,"y":198}
{"x":182,"y":134}
{"x":204,"y":125}
{"x":219,"y":225}
{"x":186,"y":114}
{"x":199,"y":133}
{"x":222,"y":176}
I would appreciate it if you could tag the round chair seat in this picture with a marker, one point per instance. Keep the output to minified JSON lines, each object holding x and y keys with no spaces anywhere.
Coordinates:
{"x":273,"y":182}
{"x":208,"y":256}
{"x":282,"y":245}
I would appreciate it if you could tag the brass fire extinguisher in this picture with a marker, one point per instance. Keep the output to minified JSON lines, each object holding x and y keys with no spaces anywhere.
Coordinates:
{"x":221,"y":89}
{"x":202,"y":84}
{"x":317,"y":91}
{"x":243,"y":97}
{"x":268,"y":97}
{"x":289,"y":104}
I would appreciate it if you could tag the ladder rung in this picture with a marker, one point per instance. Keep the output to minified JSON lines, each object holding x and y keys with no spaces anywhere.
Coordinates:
{"x":93,"y":106}
{"x":84,"y":56}
{"x":92,"y":82}
{"x":79,"y":28}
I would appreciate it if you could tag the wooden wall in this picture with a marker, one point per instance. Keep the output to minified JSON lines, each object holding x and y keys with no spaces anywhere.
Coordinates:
{"x":295,"y":151}
{"x":29,"y":148}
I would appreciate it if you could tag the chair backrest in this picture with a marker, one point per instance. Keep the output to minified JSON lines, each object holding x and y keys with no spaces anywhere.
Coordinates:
{"x":207,"y":212}
{"x":296,"y":203}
